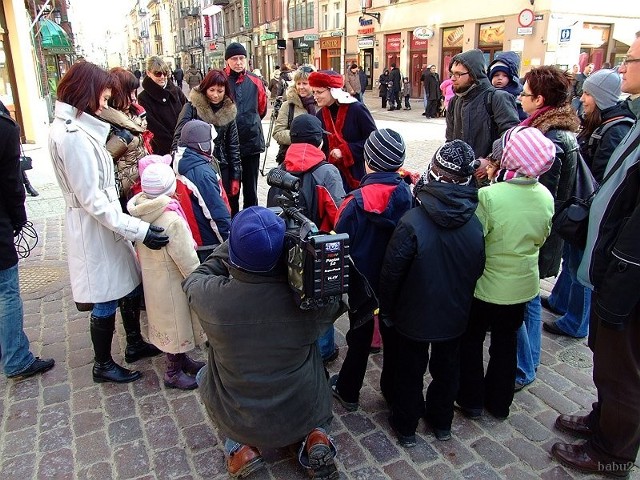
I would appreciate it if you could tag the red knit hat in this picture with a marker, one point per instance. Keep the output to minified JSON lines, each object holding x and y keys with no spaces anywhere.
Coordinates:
{"x":326,"y":79}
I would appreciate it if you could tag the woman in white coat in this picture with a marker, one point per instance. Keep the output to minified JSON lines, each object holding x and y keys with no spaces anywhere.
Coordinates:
{"x":102,"y":264}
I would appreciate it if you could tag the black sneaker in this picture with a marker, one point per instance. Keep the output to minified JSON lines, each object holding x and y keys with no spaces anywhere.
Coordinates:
{"x":406,"y":441}
{"x":39,"y":365}
{"x":348,"y":406}
{"x":472,"y":413}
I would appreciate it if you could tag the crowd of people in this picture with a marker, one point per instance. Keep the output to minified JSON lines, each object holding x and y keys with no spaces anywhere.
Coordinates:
{"x":151,"y":184}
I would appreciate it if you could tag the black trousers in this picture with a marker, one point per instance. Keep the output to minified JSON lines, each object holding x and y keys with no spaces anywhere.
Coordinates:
{"x":354,"y":366}
{"x":432,"y":107}
{"x":409,"y":403}
{"x":389,"y":362}
{"x":493,"y":390}
{"x":615,"y":418}
{"x":250,"y":172}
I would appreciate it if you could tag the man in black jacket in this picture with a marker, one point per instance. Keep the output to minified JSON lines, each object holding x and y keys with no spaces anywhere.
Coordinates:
{"x":436,"y":249}
{"x":395,"y":79}
{"x":251,"y":102}
{"x":17,"y":360}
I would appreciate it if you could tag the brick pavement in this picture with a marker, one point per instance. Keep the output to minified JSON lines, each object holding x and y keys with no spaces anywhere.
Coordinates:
{"x":62,"y":425}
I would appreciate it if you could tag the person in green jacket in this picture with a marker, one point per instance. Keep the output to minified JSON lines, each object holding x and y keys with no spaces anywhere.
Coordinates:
{"x":515,"y":212}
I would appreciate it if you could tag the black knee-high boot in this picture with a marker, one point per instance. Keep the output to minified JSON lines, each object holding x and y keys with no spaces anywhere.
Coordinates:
{"x":27,"y":185}
{"x":104,"y":368}
{"x":137,"y":348}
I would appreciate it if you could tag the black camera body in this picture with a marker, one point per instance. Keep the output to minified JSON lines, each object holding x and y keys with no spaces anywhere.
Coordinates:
{"x":317,"y":262}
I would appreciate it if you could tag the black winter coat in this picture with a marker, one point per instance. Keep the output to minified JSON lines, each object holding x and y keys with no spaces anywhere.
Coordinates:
{"x":383,"y":87}
{"x":396,"y":79}
{"x":12,"y":196}
{"x":432,"y":264}
{"x":226,"y":147}
{"x":163,"y":106}
{"x":597,"y":153}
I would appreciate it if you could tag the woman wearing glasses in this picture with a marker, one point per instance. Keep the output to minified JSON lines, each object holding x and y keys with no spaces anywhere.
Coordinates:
{"x":299,"y":100}
{"x":163,"y":102}
{"x":545,"y":97}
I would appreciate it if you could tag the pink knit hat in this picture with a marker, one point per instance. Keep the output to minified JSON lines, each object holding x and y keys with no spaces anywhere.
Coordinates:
{"x":527,"y":151}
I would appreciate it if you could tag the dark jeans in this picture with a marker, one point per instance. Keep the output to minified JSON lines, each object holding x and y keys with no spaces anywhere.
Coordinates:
{"x":493,"y":390}
{"x":250,"y":172}
{"x":409,"y":404}
{"x":616,"y":373}
{"x":406,"y":102}
{"x":354,"y":366}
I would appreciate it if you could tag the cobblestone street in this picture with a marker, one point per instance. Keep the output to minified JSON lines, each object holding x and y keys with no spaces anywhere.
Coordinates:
{"x":62,"y":425}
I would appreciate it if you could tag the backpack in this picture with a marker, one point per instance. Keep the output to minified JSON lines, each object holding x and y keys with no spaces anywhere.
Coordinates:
{"x":308,"y":197}
{"x":488,"y":104}
{"x":598,"y":133}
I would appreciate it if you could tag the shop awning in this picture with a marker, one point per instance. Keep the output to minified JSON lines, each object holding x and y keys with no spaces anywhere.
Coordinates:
{"x":54,"y":38}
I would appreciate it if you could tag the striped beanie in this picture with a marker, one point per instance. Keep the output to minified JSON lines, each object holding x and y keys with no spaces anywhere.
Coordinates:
{"x":158,"y":179}
{"x":384,"y":150}
{"x":526,"y":151}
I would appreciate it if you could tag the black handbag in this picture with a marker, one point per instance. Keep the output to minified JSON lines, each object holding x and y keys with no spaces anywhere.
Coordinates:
{"x":26,"y":163}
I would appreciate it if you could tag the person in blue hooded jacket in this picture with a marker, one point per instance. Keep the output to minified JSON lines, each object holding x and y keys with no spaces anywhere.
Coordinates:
{"x":504,"y":74}
{"x":211,"y":211}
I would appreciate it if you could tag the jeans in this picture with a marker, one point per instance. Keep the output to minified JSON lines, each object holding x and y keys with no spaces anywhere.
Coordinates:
{"x":106,"y":309}
{"x":529,"y":342}
{"x":326,"y":343}
{"x":425,"y":99}
{"x":14,"y":344}
{"x":570,"y":296}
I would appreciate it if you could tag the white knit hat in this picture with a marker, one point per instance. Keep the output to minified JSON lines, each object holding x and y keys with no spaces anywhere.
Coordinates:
{"x":158,"y":179}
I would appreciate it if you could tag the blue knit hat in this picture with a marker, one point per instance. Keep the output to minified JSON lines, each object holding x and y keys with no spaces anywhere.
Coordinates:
{"x":384,"y":150}
{"x":256,"y":240}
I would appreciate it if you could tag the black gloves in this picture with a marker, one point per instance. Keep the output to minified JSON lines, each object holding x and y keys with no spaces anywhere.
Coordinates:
{"x":154,"y":239}
{"x":124,"y":134}
{"x":18,"y":228}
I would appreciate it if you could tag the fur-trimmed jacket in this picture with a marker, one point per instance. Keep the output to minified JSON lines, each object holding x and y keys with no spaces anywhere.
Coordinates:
{"x":560,"y":126}
{"x":126,"y":148}
{"x":226,"y":145}
{"x":163,"y":106}
{"x":281,"y":129}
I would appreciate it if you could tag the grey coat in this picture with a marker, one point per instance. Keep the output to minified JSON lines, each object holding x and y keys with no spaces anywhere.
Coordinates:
{"x":265,"y":384}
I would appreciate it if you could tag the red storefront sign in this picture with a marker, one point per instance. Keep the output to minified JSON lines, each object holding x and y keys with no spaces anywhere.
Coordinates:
{"x":392,"y":42}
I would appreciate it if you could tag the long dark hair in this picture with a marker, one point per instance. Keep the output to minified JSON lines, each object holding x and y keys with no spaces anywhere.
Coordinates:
{"x":215,"y":78}
{"x":591,"y":121}
{"x":82,"y":86}
{"x":123,"y":82}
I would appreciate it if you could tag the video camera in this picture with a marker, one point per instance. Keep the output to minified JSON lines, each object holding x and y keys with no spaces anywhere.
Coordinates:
{"x":317,"y":262}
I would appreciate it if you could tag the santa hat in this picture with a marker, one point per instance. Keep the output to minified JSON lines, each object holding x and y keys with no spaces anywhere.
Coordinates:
{"x":326,"y":79}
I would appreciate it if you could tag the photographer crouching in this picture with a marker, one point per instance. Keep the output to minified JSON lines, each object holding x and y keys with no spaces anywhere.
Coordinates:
{"x":264,"y":386}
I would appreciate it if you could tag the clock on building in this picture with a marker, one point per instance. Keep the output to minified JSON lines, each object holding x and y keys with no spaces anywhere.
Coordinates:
{"x":525,"y":18}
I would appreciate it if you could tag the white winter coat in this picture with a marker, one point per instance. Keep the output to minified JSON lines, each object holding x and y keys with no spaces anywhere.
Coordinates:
{"x":173,"y":326}
{"x":101,"y":258}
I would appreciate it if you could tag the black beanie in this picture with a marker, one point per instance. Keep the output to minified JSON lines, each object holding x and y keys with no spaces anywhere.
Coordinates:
{"x":234,"y":49}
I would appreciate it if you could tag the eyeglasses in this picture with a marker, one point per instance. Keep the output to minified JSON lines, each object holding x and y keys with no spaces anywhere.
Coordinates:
{"x":159,"y":74}
{"x":627,"y":60}
{"x":315,"y":93}
{"x":522,"y":94}
{"x":457,"y":75}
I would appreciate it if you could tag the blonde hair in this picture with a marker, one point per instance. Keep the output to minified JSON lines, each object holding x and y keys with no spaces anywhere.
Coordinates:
{"x":303,"y":72}
{"x":156,"y":64}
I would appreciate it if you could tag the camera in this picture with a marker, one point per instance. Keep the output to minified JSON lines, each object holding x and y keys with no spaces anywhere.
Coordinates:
{"x":317,"y":262}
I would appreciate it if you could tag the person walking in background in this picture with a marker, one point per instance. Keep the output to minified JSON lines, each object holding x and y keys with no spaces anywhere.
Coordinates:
{"x":103,"y":268}
{"x":173,"y":327}
{"x":369,"y":215}
{"x":16,"y":358}
{"x":446,"y":89}
{"x":503,"y":74}
{"x":578,"y":81}
{"x":274,"y":83}
{"x":364,"y":81}
{"x":251,"y":103}
{"x":352,"y":82}
{"x":128,"y":140}
{"x":348,"y":122}
{"x":383,"y":87}
{"x":395,"y":87}
{"x":406,"y":92}
{"x":545,"y":98}
{"x":193,"y":77}
{"x":178,"y":76}
{"x":211,"y":102}
{"x":162,"y":101}
{"x":606,"y":123}
{"x":436,"y":249}
{"x":515,"y":212}
{"x":425,"y":91}
{"x":432,"y":88}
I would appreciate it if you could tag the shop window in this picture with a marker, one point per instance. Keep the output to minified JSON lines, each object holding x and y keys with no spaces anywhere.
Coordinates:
{"x":491,"y":39}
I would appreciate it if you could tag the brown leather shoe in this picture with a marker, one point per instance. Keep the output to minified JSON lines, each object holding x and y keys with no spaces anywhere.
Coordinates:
{"x":244,"y":461}
{"x":578,"y":458}
{"x":318,"y":456}
{"x":575,"y":425}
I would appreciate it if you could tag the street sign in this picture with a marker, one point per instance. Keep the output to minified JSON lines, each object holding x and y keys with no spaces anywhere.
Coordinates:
{"x":311,"y":37}
{"x":565,"y":35}
{"x":525,"y":30}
